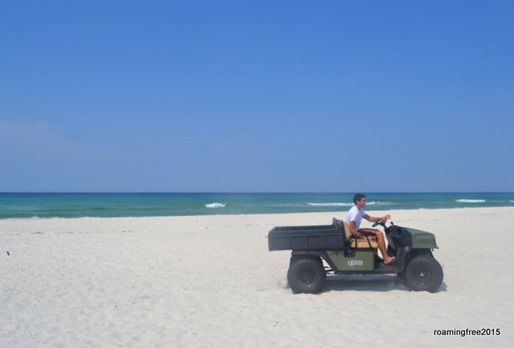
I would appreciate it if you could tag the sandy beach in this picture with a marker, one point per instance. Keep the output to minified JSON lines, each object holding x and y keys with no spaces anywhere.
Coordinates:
{"x":204,"y":281}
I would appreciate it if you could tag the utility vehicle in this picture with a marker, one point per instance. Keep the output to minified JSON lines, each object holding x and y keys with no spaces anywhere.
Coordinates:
{"x":331,"y":249}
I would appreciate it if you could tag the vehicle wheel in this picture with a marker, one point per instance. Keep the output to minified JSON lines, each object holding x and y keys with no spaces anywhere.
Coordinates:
{"x":423,"y":273}
{"x":306,"y":275}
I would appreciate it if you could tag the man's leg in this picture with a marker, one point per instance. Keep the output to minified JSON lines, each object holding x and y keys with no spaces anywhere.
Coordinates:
{"x":381,"y":245}
{"x":379,"y":237}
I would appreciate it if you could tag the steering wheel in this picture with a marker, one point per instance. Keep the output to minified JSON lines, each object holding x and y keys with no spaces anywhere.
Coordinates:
{"x":380,"y":222}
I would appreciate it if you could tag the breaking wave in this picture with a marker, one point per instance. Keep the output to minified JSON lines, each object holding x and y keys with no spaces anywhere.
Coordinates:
{"x":215,"y":205}
{"x":379,"y":203}
{"x":339,"y":204}
{"x":465,"y":200}
{"x":335,"y":204}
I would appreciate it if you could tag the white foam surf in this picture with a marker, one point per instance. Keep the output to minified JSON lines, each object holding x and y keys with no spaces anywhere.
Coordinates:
{"x":465,"y":200}
{"x":379,"y":203}
{"x":334,"y":204}
{"x":215,"y":205}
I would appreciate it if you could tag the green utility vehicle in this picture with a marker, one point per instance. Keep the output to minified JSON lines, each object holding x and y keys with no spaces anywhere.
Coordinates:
{"x":331,"y":249}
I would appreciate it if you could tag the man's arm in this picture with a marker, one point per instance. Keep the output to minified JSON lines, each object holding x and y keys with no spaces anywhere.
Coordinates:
{"x":376,"y":219}
{"x":356,"y":233}
{"x":353,"y":231}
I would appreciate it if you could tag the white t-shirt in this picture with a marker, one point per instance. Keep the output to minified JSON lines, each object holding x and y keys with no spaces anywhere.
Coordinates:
{"x":355,"y":214}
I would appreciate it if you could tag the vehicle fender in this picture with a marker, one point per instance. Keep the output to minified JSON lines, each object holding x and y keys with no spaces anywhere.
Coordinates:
{"x":317,"y":255}
{"x":409,"y":237}
{"x":422,"y":239}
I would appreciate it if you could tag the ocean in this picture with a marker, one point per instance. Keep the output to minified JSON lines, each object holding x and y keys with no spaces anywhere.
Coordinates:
{"x":72,"y":205}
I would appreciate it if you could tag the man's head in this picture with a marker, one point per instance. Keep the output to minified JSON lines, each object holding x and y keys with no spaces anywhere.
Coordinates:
{"x":359,"y":200}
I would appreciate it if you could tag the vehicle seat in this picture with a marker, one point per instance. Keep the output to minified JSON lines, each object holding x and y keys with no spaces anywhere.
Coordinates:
{"x":355,"y":242}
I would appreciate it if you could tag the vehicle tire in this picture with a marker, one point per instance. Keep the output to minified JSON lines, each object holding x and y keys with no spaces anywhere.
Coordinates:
{"x":306,"y":275}
{"x":423,"y":273}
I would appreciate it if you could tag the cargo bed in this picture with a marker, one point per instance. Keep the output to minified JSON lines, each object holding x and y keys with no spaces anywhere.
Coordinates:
{"x":301,"y":238}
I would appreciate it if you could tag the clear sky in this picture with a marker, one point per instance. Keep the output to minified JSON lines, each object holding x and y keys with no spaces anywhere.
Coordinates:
{"x":257,"y":95}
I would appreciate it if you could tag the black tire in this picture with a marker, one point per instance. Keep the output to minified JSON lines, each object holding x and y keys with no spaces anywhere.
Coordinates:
{"x":306,"y":275}
{"x":423,"y":273}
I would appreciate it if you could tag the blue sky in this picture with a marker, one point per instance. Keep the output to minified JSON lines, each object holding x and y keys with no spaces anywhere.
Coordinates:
{"x":257,"y":96}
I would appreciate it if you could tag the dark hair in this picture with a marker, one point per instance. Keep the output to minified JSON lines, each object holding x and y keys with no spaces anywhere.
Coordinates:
{"x":357,"y":197}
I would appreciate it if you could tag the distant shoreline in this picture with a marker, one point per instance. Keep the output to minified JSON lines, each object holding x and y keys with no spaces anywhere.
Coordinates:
{"x":70,"y":205}
{"x":336,"y":214}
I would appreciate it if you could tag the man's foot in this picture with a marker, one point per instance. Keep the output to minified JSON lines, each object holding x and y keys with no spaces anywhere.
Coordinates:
{"x":390,"y":261}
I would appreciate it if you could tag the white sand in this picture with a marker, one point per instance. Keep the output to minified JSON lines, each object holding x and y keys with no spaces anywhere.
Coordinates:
{"x":211,"y":281}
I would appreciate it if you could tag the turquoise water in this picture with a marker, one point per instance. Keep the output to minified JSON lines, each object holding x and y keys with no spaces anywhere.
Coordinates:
{"x":46,"y":205}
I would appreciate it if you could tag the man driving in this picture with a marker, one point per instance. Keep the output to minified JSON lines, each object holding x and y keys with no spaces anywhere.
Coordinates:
{"x":354,"y":217}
